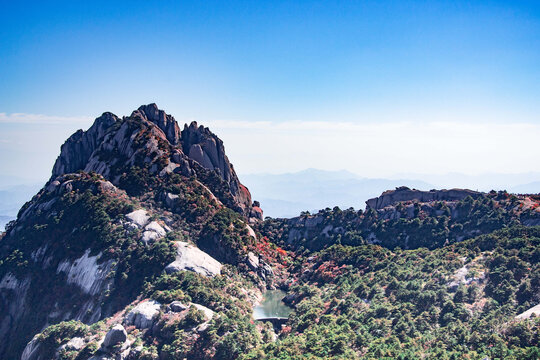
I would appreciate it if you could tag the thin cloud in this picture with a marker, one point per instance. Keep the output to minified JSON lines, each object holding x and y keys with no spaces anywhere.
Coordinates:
{"x":381,"y":149}
{"x":23,"y":118}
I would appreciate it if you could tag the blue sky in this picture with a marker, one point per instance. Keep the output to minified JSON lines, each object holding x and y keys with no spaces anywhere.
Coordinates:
{"x":364,"y":63}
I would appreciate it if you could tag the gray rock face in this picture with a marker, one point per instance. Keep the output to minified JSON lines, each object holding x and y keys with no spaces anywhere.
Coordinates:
{"x":117,"y":335}
{"x":138,"y":217}
{"x":32,"y":350}
{"x":86,"y":273}
{"x":79,"y":147}
{"x":252,"y":261}
{"x":405,"y":194}
{"x":265,"y":271}
{"x":112,"y":141}
{"x":165,"y":122}
{"x":208,"y":151}
{"x":193,"y":259}
{"x":144,"y":314}
{"x":177,"y":306}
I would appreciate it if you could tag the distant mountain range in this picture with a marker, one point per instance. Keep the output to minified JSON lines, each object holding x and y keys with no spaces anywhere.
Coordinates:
{"x":286,"y":195}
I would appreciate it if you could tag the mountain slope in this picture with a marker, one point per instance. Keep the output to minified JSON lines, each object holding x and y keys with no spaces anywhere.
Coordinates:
{"x":123,"y":197}
{"x":145,"y":245}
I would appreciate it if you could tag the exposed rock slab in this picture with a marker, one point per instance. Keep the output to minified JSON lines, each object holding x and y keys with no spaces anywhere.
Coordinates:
{"x":193,"y":259}
{"x":85,"y":272}
{"x":138,"y":217}
{"x":527,"y":314}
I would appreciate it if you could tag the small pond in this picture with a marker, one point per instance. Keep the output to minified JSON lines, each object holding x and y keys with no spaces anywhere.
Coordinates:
{"x":271,"y":306}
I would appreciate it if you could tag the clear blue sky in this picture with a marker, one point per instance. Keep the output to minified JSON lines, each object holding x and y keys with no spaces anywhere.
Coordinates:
{"x":251,"y":60}
{"x":352,"y":61}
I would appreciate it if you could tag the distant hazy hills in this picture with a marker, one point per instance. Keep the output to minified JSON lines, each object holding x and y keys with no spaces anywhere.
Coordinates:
{"x":12,"y":197}
{"x":286,"y":195}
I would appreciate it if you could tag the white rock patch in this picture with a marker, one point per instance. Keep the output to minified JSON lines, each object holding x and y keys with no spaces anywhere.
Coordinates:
{"x":153,"y":232}
{"x":144,"y":314}
{"x":527,"y":314}
{"x":193,"y":259}
{"x":138,"y":217}
{"x":85,"y":272}
{"x":251,"y":232}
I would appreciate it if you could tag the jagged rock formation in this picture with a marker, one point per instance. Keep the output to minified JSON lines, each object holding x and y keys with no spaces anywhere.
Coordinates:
{"x":122,"y":194}
{"x":150,"y":138}
{"x":403,"y":193}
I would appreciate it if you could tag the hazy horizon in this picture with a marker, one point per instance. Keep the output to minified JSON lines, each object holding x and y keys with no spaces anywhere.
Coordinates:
{"x":377,"y":88}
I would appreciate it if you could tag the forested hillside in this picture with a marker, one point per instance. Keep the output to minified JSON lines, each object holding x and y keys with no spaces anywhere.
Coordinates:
{"x":144,"y":244}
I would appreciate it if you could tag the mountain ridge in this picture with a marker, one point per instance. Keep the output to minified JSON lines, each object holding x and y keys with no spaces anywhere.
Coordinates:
{"x":149,"y":247}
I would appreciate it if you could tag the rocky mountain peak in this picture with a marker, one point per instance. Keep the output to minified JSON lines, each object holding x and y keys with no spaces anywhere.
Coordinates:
{"x":76,"y":151}
{"x":151,"y":139}
{"x":165,"y":122}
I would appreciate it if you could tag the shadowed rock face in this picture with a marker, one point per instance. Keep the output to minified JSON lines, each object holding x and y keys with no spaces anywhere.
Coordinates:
{"x":152,"y":139}
{"x":165,"y":122}
{"x":79,"y":147}
{"x":405,"y":194}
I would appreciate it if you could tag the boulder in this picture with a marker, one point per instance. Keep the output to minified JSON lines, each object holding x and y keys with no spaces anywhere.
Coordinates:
{"x":117,"y":335}
{"x":170,"y":200}
{"x":77,"y":343}
{"x":138,"y":217}
{"x":191,"y":258}
{"x":153,"y":232}
{"x":144,"y":314}
{"x":265,"y":271}
{"x":177,"y":306}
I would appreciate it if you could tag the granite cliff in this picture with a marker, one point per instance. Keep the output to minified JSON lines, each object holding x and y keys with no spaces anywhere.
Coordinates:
{"x":128,"y":199}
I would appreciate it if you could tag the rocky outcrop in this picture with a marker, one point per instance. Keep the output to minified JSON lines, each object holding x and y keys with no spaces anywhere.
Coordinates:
{"x":165,"y":122}
{"x":191,"y":258}
{"x":152,"y":139}
{"x":143,"y":315}
{"x":202,"y":146}
{"x":139,"y":218}
{"x":403,"y":194}
{"x":177,"y":306}
{"x":152,"y":232}
{"x":79,"y":147}
{"x":117,"y":335}
{"x":87,"y":272}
